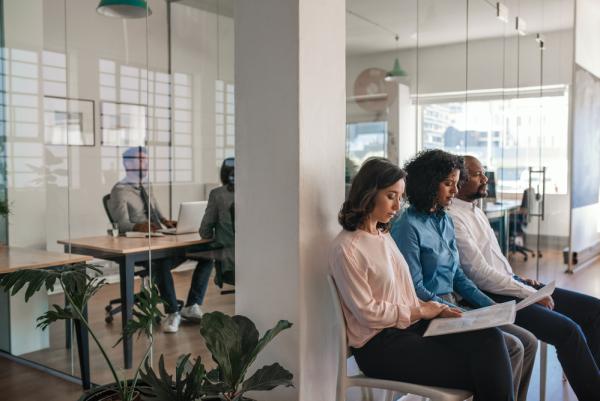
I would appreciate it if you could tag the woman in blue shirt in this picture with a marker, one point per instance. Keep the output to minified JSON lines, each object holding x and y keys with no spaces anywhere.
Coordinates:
{"x":425,"y":236}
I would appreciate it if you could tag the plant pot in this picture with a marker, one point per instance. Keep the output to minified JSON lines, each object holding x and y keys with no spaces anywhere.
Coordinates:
{"x":217,"y":398}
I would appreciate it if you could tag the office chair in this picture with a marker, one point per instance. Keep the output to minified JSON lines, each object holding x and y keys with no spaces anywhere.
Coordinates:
{"x":393,"y":387}
{"x":517,"y":221}
{"x":114,"y":305}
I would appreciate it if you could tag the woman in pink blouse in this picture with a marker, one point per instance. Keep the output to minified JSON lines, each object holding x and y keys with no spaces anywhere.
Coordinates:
{"x":385,"y":320}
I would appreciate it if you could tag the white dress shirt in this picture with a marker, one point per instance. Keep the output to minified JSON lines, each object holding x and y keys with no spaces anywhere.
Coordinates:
{"x":480,"y":254}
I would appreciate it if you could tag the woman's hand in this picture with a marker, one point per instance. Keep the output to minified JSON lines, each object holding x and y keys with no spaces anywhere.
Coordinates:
{"x":451,"y":312}
{"x":431,"y":309}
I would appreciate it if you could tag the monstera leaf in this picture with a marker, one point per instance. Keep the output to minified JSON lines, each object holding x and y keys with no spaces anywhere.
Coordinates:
{"x":234,"y":344}
{"x":186,"y":387}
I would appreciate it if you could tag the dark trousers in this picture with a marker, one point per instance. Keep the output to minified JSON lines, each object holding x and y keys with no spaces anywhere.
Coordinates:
{"x":161,"y":273}
{"x":476,"y":361}
{"x":573,"y":327}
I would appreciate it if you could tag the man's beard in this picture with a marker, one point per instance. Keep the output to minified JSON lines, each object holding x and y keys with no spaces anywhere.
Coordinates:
{"x":481,"y":193}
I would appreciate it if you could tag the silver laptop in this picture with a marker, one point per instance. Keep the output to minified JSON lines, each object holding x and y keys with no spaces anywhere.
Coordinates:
{"x":190,"y":217}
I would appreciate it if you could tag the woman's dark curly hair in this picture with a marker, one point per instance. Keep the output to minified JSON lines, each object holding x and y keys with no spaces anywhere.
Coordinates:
{"x":425,"y":173}
{"x":375,"y":174}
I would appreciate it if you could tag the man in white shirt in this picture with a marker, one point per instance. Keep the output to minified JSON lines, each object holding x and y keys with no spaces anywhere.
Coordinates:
{"x":568,"y":320}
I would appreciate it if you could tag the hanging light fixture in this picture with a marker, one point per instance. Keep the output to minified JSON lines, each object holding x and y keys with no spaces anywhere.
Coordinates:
{"x":124,"y":8}
{"x":396,"y":73}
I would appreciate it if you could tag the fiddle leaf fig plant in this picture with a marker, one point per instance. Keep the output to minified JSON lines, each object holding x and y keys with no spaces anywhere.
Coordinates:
{"x":234,"y":344}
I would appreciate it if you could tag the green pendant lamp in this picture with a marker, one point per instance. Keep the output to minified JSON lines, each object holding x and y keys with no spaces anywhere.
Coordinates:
{"x":124,"y":8}
{"x":396,"y":73}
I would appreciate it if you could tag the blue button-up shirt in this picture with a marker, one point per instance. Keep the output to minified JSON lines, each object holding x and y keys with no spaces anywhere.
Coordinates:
{"x":428,"y":243}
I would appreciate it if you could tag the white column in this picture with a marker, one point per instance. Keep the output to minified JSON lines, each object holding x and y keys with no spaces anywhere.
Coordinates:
{"x":290,"y":124}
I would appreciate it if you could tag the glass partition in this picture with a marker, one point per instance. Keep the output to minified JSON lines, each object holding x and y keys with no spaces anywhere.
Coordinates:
{"x":113,"y":125}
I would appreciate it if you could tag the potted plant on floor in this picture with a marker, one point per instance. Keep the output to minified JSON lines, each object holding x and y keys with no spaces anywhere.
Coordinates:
{"x":234,"y":345}
{"x":79,"y":283}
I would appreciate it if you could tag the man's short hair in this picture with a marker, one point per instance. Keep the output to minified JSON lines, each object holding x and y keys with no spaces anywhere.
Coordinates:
{"x":133,"y":152}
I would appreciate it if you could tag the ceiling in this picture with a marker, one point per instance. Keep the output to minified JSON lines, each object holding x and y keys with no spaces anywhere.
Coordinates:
{"x":444,"y":21}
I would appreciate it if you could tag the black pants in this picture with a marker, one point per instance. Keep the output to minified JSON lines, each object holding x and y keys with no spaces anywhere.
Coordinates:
{"x":476,"y":361}
{"x":573,"y":327}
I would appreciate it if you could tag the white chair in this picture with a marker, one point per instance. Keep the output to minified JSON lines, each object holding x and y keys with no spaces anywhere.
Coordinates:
{"x":344,"y":381}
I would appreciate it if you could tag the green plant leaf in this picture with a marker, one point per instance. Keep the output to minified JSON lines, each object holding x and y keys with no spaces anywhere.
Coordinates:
{"x":55,"y":314}
{"x":249,"y":357}
{"x":267,"y":378}
{"x":188,"y":384}
{"x":145,"y":314}
{"x":222,"y":338}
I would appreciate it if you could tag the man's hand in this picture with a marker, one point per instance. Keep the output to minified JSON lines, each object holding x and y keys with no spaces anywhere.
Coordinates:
{"x":143,"y":227}
{"x":169,"y":223}
{"x":533,"y":283}
{"x":451,"y":312}
{"x":547,"y":302}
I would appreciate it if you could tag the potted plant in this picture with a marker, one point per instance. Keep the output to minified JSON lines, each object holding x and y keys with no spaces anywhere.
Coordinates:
{"x":79,"y":283}
{"x":234,"y":345}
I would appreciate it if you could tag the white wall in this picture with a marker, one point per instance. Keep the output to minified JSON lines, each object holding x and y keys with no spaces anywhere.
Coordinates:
{"x":45,"y":210}
{"x":290,"y":168}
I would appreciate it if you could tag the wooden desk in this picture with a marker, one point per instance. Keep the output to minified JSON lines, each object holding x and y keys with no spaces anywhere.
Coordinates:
{"x":14,"y":258}
{"x":498,"y":215}
{"x":126,"y":252}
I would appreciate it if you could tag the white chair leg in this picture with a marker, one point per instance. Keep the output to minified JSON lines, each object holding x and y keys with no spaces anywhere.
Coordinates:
{"x":543,"y":369}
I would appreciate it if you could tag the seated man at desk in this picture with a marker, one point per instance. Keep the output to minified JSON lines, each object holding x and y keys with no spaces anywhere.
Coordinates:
{"x":131,"y":202}
{"x":568,"y":320}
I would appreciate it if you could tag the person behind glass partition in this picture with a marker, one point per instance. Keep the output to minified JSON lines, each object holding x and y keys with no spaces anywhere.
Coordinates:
{"x":133,"y":206}
{"x":218,"y":222}
{"x":425,"y":235}
{"x":385,"y":320}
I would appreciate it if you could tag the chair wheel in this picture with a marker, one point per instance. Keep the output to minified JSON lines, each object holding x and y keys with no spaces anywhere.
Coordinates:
{"x":539,"y":254}
{"x":108,"y":308}
{"x":525,"y":258}
{"x":109,"y":318}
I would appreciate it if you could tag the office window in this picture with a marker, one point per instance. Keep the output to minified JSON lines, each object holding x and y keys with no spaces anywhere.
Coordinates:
{"x":364,"y":140}
{"x":224,"y":121}
{"x":135,"y":110}
{"x":507,"y":135}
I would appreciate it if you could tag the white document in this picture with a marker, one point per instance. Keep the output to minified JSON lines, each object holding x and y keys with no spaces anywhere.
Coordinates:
{"x":476,"y":319}
{"x":542,"y":293}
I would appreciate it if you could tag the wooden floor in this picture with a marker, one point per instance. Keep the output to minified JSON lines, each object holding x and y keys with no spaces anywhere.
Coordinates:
{"x":14,"y":377}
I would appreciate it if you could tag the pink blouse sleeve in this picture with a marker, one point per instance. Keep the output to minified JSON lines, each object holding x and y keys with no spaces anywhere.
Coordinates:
{"x":355,"y":291}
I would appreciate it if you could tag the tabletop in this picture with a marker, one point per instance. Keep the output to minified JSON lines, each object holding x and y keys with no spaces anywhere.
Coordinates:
{"x":15,"y":258}
{"x":124,"y":245}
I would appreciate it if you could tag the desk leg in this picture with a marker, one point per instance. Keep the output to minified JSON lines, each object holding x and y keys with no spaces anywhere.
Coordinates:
{"x":83,"y":350}
{"x":126,"y":277}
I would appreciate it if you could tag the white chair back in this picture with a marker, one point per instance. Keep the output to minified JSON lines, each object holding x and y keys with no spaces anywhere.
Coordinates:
{"x":344,"y":381}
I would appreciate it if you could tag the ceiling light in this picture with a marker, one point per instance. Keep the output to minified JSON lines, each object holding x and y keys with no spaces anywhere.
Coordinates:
{"x":124,"y":8}
{"x":541,"y":39}
{"x":502,"y":12}
{"x":396,"y":72}
{"x":521,"y":26}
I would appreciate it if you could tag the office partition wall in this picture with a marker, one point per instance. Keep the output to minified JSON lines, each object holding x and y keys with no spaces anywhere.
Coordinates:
{"x":80,"y":89}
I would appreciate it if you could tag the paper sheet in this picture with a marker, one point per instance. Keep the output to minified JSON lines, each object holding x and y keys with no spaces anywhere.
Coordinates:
{"x":542,"y":293}
{"x":482,"y":318}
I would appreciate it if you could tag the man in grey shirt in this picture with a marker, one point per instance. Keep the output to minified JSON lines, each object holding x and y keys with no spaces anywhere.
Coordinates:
{"x":134,"y":208}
